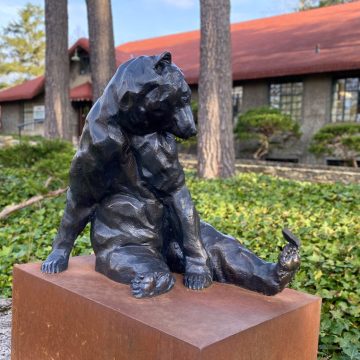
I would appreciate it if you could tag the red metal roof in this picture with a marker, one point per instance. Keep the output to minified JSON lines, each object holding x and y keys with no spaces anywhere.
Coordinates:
{"x":81,"y":93}
{"x":25,"y":91}
{"x":286,"y":45}
{"x":275,"y":46}
{"x":271,"y":47}
{"x":82,"y":43}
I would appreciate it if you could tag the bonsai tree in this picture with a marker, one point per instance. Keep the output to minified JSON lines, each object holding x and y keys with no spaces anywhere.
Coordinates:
{"x":263,"y":124}
{"x":341,"y":140}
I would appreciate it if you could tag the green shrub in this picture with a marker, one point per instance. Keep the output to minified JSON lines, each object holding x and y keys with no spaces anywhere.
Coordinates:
{"x":186,"y":144}
{"x":27,"y":170}
{"x":251,"y":207}
{"x":264,"y":123}
{"x":26,"y":155}
{"x":341,"y":140}
{"x":27,"y":138}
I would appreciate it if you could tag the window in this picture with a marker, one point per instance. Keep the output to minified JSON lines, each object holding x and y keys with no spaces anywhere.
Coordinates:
{"x":33,"y":114}
{"x":287,"y":97}
{"x":285,"y":160}
{"x":28,"y":116}
{"x":84,"y":64}
{"x":237,"y":94}
{"x":336,"y":162}
{"x":345,"y":105}
{"x":39,"y":113}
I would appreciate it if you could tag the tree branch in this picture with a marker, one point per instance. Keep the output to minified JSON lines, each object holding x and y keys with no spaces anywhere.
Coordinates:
{"x":12,"y":208}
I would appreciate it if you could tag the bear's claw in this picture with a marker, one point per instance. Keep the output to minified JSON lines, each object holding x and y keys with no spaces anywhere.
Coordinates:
{"x":197,"y":281}
{"x":151,"y":284}
{"x":56,"y":262}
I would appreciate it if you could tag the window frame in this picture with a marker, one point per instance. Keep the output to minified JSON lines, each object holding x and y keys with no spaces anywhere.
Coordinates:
{"x":291,"y":95}
{"x":335,"y":117}
{"x":239,"y":97}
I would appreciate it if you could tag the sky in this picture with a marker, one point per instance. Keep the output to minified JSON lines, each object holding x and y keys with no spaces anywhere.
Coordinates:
{"x":141,"y":19}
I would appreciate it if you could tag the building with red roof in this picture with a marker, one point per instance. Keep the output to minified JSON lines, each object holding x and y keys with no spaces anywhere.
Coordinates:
{"x":305,"y":63}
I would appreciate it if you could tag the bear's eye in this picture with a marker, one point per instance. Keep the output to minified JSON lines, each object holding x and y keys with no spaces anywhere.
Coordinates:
{"x":185,"y":99}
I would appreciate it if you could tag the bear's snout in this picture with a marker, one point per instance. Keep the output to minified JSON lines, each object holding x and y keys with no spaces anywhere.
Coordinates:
{"x":183,"y":125}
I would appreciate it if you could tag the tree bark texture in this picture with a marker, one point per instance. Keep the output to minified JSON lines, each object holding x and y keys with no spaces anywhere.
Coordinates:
{"x":216,"y":155}
{"x":57,"y":68}
{"x":102,"y":50}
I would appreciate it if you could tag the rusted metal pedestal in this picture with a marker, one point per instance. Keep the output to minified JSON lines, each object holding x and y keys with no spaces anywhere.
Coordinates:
{"x":80,"y":314}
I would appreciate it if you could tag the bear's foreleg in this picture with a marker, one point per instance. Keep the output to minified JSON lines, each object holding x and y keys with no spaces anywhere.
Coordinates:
{"x":182,"y":213}
{"x":73,"y":222}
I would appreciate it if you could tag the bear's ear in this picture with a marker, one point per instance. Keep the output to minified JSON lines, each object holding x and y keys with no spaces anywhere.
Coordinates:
{"x":163,"y":60}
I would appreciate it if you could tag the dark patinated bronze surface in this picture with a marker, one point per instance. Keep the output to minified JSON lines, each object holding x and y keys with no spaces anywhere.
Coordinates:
{"x":126,"y":180}
{"x":82,"y":315}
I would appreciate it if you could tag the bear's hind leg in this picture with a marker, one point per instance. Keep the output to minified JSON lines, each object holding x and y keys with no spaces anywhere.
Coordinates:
{"x":138,"y":265}
{"x":233,"y":263}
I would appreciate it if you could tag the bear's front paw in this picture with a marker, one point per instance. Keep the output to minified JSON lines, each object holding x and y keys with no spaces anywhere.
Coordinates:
{"x":197,"y":281}
{"x":56,"y":262}
{"x":151,"y":284}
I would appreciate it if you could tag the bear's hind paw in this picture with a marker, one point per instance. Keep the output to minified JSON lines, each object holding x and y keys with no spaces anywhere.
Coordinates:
{"x":151,"y":284}
{"x":288,"y":264}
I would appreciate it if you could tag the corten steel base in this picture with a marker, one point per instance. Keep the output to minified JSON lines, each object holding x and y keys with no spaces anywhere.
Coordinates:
{"x":80,"y":314}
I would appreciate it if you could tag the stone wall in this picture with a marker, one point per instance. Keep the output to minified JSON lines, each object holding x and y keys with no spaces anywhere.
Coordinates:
{"x":255,"y":94}
{"x":322,"y":174}
{"x":316,"y":110}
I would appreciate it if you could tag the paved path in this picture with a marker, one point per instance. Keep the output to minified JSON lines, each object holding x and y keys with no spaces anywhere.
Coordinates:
{"x":5,"y":329}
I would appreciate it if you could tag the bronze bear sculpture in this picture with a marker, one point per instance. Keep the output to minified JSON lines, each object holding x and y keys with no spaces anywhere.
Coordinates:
{"x":126,"y":180}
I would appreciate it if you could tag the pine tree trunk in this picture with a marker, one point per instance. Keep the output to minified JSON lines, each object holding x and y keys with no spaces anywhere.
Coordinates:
{"x":216,"y":155}
{"x":102,"y":51}
{"x":57,"y":102}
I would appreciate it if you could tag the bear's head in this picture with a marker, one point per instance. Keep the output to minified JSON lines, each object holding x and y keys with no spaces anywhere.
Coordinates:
{"x":157,"y":98}
{"x":147,"y":94}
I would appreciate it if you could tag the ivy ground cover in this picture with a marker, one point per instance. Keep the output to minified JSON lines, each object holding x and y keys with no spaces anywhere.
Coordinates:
{"x":252,"y":207}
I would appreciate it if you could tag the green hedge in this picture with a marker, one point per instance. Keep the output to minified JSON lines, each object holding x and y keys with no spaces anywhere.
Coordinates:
{"x":263,"y":124}
{"x":341,"y":140}
{"x":251,"y":207}
{"x":25,"y":169}
{"x":265,"y":120}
